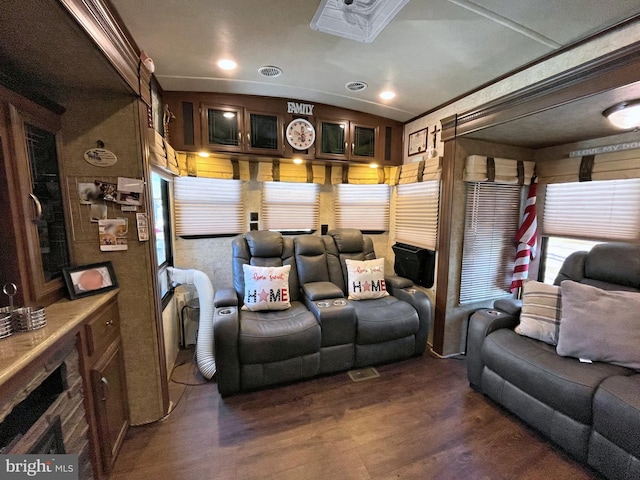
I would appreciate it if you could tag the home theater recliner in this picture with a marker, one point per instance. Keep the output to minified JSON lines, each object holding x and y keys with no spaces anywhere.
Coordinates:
{"x":322,"y":331}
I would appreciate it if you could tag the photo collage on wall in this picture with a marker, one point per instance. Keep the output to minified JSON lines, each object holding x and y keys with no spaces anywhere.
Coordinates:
{"x":127,"y":192}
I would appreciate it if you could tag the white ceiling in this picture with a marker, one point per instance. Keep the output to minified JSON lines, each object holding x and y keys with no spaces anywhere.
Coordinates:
{"x":433,"y":51}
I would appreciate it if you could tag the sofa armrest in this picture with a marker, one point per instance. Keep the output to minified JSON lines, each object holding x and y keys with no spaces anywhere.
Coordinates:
{"x":321,"y":291}
{"x":510,"y":306}
{"x":226,"y":329}
{"x":403,"y":289}
{"x":225,"y":297}
{"x":395,"y":282}
{"x":481,"y":324}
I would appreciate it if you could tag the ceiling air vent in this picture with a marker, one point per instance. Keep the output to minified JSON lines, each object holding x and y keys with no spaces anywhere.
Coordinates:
{"x":355,"y":86}
{"x":270,"y":71}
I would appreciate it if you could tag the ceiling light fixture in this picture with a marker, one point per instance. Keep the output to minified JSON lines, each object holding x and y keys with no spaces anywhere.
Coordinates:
{"x":624,"y":115}
{"x":203,"y":154}
{"x":387,"y":95}
{"x":227,"y":64}
{"x":359,"y":20}
{"x":297,"y":161}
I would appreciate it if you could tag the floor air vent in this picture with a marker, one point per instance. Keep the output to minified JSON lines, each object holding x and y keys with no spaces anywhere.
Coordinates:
{"x":363,"y":374}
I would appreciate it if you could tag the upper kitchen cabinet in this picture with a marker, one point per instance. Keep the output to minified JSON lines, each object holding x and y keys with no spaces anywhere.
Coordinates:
{"x":36,"y":249}
{"x":235,"y":129}
{"x":254,"y":125}
{"x":345,"y":140}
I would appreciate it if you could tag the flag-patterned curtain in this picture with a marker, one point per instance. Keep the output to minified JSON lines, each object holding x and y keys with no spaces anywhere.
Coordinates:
{"x":527,"y":239}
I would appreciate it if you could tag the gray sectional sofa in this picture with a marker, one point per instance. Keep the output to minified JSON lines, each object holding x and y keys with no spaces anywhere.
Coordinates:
{"x":322,"y":331}
{"x":591,"y":410}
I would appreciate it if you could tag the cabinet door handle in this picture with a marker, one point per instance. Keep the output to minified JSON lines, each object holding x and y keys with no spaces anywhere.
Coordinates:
{"x":105,"y":389}
{"x":38,"y":208}
{"x":248,"y":139}
{"x":109,"y":323}
{"x":353,"y":148}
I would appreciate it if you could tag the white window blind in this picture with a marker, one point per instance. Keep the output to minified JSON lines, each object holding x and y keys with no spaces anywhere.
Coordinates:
{"x":290,"y":206}
{"x":208,"y":206}
{"x":417,"y":214}
{"x":604,"y":210}
{"x":491,"y":223}
{"x":365,"y":207}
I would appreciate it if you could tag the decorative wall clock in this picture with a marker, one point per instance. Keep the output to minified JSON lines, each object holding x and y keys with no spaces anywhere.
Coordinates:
{"x":300,"y":134}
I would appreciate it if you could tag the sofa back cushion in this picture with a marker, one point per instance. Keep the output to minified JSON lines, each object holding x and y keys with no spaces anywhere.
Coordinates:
{"x":342,"y":244}
{"x":609,"y":266}
{"x":311,"y":259}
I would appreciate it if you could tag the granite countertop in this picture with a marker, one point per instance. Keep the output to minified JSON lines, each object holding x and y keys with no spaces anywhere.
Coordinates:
{"x":63,"y":317}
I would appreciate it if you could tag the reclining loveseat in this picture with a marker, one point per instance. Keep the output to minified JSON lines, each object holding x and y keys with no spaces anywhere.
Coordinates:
{"x":566,"y":360}
{"x":335,"y":311}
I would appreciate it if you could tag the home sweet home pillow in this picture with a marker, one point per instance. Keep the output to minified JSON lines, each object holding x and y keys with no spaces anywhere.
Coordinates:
{"x":266,"y":288}
{"x":366,"y":279}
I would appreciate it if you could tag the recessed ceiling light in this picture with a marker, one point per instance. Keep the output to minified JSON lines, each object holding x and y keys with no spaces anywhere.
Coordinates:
{"x":203,"y":154}
{"x":227,"y":64}
{"x":373,"y":165}
{"x":297,"y":161}
{"x":387,"y":95}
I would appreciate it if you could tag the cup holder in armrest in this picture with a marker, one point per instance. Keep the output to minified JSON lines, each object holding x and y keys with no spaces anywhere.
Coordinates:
{"x":226,"y":311}
{"x":410,"y":290}
{"x":340,"y":302}
{"x":323,"y":304}
{"x":493,"y":313}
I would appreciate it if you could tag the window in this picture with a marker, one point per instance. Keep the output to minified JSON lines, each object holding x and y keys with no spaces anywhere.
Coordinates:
{"x":557,"y":249}
{"x":290,"y":207}
{"x":162,"y":228}
{"x":417,"y":214}
{"x":365,"y":207}
{"x":208,"y":206}
{"x":605,"y":210}
{"x":579,"y":215}
{"x":491,"y":223}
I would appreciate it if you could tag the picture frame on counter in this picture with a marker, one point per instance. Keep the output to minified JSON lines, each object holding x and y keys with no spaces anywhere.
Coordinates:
{"x":418,"y":142}
{"x":86,"y":280}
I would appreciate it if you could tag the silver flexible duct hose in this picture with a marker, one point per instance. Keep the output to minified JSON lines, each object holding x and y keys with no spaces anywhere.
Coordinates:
{"x":204,"y":343}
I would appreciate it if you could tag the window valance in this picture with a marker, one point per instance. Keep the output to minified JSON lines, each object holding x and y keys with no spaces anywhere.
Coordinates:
{"x":607,"y":166}
{"x":422,"y":171}
{"x":161,"y":154}
{"x":277,"y":171}
{"x":214,"y":166}
{"x":479,"y":168}
{"x":364,"y":175}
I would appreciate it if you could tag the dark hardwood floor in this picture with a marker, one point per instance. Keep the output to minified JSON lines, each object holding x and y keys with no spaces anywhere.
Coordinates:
{"x":419,"y":420}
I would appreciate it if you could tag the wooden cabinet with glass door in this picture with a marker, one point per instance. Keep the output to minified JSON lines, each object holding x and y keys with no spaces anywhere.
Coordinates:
{"x":34,"y":234}
{"x":235,"y":129}
{"x":345,"y":140}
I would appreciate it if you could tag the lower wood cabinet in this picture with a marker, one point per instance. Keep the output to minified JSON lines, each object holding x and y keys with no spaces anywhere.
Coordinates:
{"x":106,"y":401}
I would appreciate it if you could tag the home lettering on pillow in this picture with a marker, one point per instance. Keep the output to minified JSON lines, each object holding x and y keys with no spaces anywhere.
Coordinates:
{"x":365,"y":279}
{"x":279,"y":294}
{"x":266,"y":288}
{"x":372,"y":285}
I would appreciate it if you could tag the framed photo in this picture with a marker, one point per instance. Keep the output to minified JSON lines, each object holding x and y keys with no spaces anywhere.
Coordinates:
{"x":418,"y":141}
{"x":89,"y":279}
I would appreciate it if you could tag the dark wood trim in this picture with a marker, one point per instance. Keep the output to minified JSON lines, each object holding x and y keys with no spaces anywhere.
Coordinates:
{"x":157,"y":303}
{"x":97,"y":18}
{"x":444,"y":245}
{"x":537,"y":61}
{"x":604,"y":73}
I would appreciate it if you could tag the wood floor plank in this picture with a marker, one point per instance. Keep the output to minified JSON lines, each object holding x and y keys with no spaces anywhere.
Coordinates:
{"x":418,"y":420}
